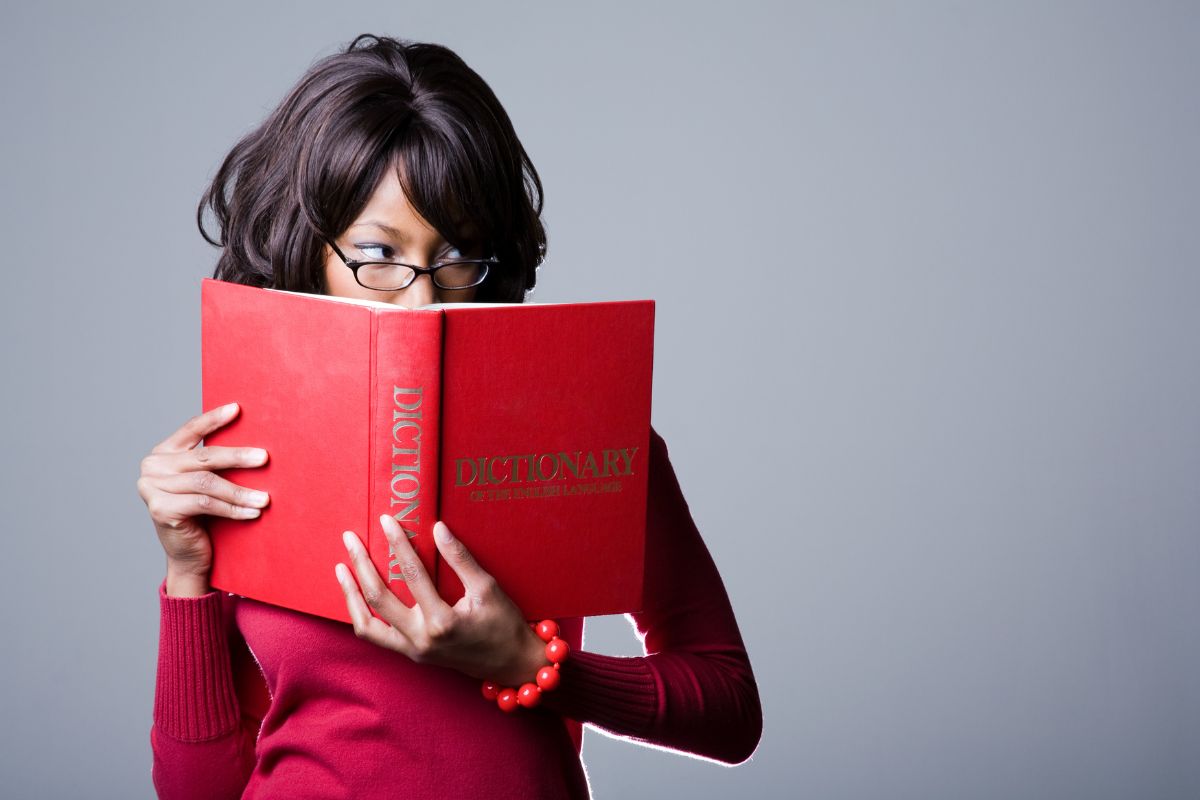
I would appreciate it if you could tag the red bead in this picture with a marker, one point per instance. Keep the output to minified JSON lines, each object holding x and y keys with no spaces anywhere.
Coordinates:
{"x":548,"y":678}
{"x":557,"y":650}
{"x":547,"y":629}
{"x":529,"y":695}
{"x":491,"y":690}
{"x":507,"y":700}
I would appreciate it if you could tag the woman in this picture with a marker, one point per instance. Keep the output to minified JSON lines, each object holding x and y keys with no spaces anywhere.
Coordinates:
{"x":399,"y":152}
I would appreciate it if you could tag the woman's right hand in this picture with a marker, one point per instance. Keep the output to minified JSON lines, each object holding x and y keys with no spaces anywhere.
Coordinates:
{"x":178,"y":486}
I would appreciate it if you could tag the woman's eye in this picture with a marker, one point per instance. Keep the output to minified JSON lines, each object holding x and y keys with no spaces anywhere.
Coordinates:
{"x":384,"y":254}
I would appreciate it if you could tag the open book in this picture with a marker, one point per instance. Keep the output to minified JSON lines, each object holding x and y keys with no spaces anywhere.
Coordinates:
{"x":524,"y":427}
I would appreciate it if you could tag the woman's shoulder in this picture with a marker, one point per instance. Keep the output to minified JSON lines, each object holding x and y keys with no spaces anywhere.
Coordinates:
{"x":657,"y":443}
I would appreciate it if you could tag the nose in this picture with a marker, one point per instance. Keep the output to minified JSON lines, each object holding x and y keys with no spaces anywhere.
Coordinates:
{"x":420,"y":292}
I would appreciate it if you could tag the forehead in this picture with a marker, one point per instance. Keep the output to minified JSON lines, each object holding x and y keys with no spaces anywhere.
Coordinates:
{"x":388,"y":210}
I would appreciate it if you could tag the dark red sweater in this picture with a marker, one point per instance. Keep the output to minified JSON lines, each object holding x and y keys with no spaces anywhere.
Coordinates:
{"x":339,"y":717}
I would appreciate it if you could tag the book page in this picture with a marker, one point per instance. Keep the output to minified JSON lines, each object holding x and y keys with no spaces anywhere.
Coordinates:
{"x":431,"y":307}
{"x":354,"y":300}
{"x":436,"y":306}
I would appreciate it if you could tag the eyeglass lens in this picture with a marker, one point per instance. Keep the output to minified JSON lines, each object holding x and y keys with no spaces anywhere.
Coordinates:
{"x":397,"y":276}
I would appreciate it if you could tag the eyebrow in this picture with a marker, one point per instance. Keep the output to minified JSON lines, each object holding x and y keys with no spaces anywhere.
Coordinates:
{"x":376,"y":223}
{"x":399,"y":234}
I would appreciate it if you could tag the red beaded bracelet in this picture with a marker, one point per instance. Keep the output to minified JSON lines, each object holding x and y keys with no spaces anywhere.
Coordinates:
{"x":530,"y":694}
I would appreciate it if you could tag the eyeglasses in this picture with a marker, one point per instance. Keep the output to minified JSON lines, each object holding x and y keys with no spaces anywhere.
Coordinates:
{"x":390,"y":276}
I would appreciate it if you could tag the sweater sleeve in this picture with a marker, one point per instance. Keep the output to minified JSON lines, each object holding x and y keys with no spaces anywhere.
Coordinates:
{"x":202,"y":741}
{"x":694,"y":689}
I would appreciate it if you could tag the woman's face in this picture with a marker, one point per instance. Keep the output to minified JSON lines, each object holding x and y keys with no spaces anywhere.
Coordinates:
{"x":389,"y":228}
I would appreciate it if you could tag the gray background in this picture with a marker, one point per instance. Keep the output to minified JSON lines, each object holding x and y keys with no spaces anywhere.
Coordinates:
{"x":926,"y":359}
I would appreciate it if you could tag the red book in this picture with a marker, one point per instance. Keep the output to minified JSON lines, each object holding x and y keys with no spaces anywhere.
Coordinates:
{"x":524,"y":427}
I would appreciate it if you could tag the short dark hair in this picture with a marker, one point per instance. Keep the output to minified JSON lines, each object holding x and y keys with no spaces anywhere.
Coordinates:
{"x":381,"y":103}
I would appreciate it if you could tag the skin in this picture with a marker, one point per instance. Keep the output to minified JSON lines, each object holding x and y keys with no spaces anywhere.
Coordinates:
{"x":483,"y":634}
{"x":421,"y":245}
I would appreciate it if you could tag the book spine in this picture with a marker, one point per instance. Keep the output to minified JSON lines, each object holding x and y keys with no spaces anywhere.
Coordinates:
{"x":406,"y":402}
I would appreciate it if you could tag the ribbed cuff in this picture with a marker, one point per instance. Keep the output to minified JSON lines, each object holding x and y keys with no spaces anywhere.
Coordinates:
{"x":617,"y":693}
{"x":194,"y":697}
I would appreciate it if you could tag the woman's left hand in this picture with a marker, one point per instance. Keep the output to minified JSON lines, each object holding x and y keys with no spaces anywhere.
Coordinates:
{"x":484,"y":634}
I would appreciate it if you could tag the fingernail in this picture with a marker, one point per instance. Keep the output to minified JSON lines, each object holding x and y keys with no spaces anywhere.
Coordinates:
{"x":442,"y":532}
{"x":348,"y":539}
{"x":228,"y":409}
{"x":256,"y":455}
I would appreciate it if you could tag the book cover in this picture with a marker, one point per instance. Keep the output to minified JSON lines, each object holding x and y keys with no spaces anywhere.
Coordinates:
{"x":525,"y":427}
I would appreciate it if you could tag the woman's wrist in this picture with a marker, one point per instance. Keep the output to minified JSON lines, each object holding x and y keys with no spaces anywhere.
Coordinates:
{"x":530,"y":658}
{"x":529,"y":693}
{"x":182,"y":583}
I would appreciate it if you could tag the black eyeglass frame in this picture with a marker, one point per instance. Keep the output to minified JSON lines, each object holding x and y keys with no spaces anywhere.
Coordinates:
{"x":485,"y":263}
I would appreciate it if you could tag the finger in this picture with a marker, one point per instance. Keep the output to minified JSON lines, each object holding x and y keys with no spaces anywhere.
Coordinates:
{"x":474,"y":578}
{"x":213,"y":485}
{"x":374,"y":591}
{"x":367,"y":626}
{"x":168,"y":508}
{"x":203,"y":458}
{"x":413,"y":571}
{"x":196,"y":428}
